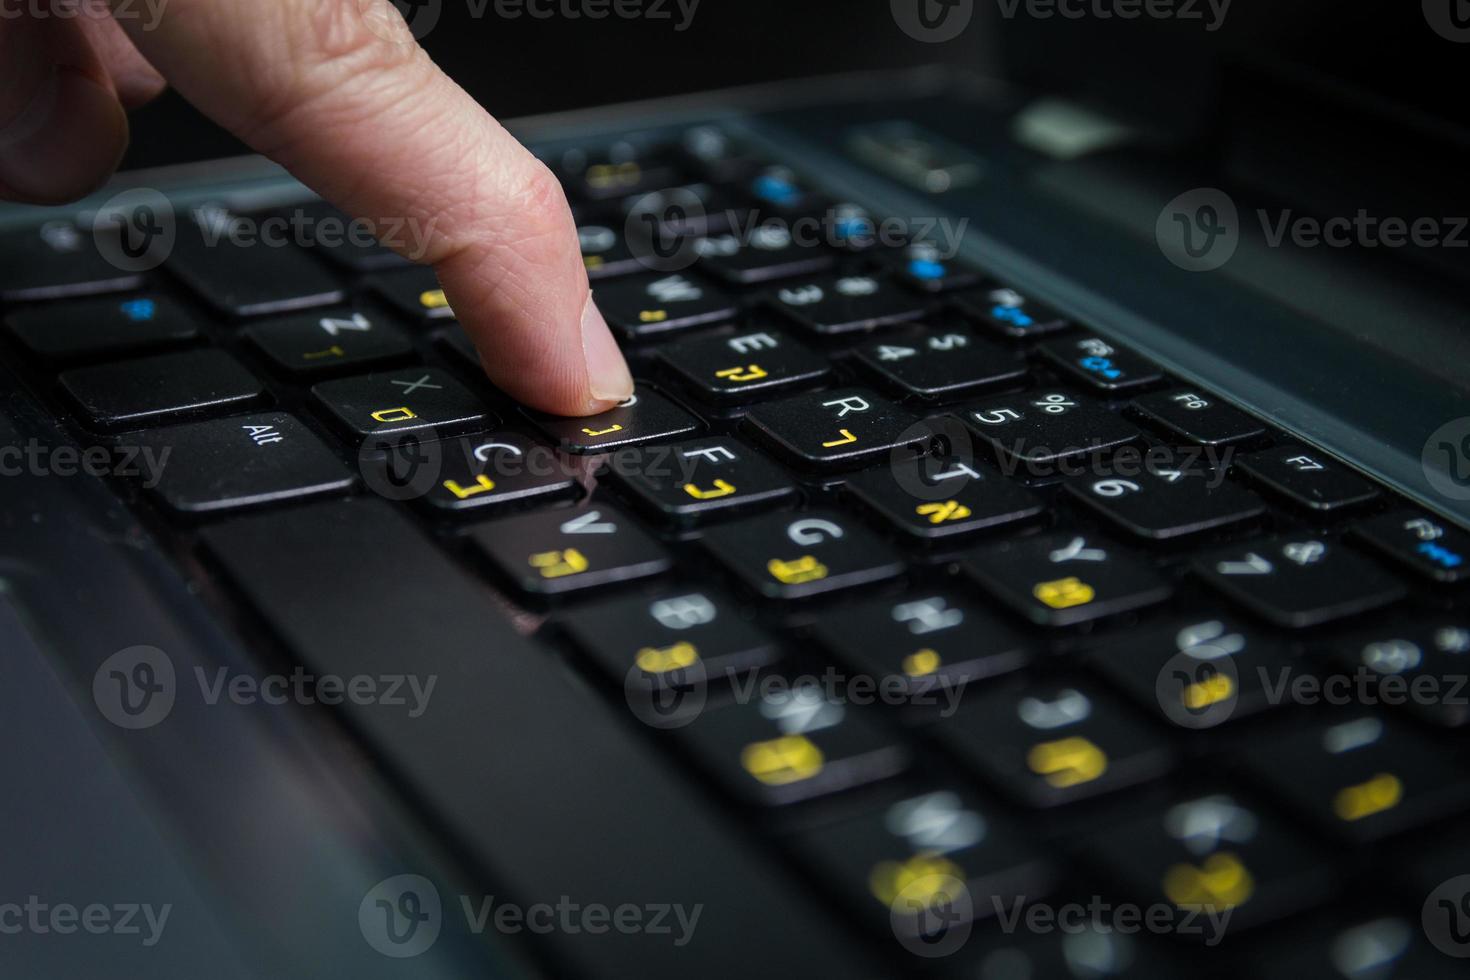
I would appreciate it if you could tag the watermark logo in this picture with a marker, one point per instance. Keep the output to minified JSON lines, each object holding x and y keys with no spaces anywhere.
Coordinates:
{"x":1446,"y":459}
{"x":1450,"y":19}
{"x":933,"y":914}
{"x":135,"y":688}
{"x":1199,"y":230}
{"x":1199,"y":686}
{"x":401,"y":916}
{"x":932,"y":21}
{"x":135,"y":230}
{"x":666,"y":688}
{"x":1446,"y":917}
{"x":661,"y":230}
{"x":402,"y":466}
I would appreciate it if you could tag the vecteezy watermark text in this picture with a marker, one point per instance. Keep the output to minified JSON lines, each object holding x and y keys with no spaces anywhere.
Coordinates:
{"x":1210,"y":13}
{"x":137,"y":687}
{"x":402,"y":917}
{"x":149,"y":12}
{"x":1205,"y":921}
{"x":35,"y":458}
{"x":41,"y":918}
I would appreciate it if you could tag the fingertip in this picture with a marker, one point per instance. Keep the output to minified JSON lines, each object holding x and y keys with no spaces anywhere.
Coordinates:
{"x":65,"y":142}
{"x":608,"y":378}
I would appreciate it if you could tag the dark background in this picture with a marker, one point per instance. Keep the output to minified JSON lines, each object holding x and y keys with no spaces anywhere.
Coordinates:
{"x":1169,"y":73}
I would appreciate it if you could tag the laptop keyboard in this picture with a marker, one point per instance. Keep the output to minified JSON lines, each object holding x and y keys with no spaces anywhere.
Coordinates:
{"x":923,"y":581}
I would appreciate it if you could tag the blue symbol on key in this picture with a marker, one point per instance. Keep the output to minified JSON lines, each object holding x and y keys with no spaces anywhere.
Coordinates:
{"x":776,"y":190}
{"x":139,"y":310}
{"x":1102,"y":366}
{"x":927,"y":269}
{"x":854,"y":228}
{"x":1013,"y":315}
{"x":1440,"y":555}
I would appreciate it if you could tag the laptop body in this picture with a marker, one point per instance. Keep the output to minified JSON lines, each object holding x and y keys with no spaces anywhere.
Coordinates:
{"x":570,"y":798}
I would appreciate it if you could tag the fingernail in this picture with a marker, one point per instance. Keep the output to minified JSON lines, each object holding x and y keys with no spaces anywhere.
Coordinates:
{"x":607,"y":372}
{"x":65,"y":141}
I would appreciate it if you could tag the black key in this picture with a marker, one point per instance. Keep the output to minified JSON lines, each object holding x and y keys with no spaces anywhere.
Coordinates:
{"x":251,"y":278}
{"x":1426,"y":545}
{"x":414,"y":399}
{"x":1217,"y":854}
{"x":1008,"y":313}
{"x":1064,"y":579}
{"x":101,"y":327}
{"x":1419,"y":663}
{"x":1199,"y":671}
{"x":925,"y":864}
{"x":645,"y":417}
{"x":845,"y":304}
{"x":477,"y":474}
{"x":564,"y":550}
{"x":794,"y":741}
{"x":1361,"y":778}
{"x":331,"y":580}
{"x":605,"y":251}
{"x":1307,"y":478}
{"x":1390,"y":947}
{"x":458,"y":344}
{"x":58,"y":259}
{"x":151,"y":389}
{"x":935,"y":499}
{"x":320,"y":344}
{"x":929,"y":645}
{"x":712,"y":153}
{"x":1299,"y":582}
{"x":684,"y":639}
{"x":350,"y":243}
{"x":1045,"y":745}
{"x":1166,"y":504}
{"x":244,"y":461}
{"x":1101,"y":364}
{"x":615,"y":172}
{"x":761,"y":254}
{"x":416,"y":294}
{"x":702,"y":479}
{"x":745,"y":366}
{"x":796,"y":556}
{"x":677,"y":215}
{"x":777,"y":188}
{"x":1041,"y":429}
{"x":1093,"y":945}
{"x":923,"y":266}
{"x":1201,"y":420}
{"x":932,"y":364}
{"x":641,"y":306}
{"x":840,"y":429}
